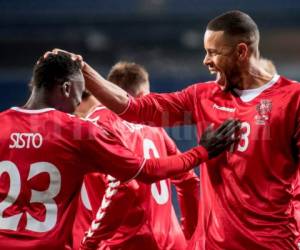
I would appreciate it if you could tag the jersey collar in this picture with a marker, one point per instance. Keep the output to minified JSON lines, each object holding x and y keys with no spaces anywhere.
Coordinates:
{"x":32,"y":111}
{"x":248,"y":95}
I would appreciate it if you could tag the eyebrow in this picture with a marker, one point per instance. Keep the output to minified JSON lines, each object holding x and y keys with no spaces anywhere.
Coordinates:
{"x":210,"y":50}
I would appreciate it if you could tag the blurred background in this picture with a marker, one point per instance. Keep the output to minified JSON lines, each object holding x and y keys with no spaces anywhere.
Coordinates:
{"x":166,"y":36}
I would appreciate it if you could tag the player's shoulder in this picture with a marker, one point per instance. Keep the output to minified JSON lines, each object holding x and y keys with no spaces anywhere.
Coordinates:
{"x":202,"y":87}
{"x":102,"y":115}
{"x":289,"y":88}
{"x":99,"y":110}
{"x":38,"y":114}
{"x":289,"y":83}
{"x":151,"y":132}
{"x":5,"y":112}
{"x":73,"y":124}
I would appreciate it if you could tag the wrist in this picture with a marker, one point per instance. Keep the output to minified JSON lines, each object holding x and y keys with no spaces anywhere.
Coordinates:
{"x":202,"y":153}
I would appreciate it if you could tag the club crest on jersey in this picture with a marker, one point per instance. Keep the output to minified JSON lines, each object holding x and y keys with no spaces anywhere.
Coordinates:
{"x":263,"y":111}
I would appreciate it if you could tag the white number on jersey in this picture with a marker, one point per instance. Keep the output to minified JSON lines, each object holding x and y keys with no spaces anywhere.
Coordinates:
{"x":244,"y":140}
{"x":43,"y":197}
{"x":163,"y":196}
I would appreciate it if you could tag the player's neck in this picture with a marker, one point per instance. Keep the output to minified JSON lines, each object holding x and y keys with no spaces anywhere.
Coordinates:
{"x":87,"y":106}
{"x":254,"y":77}
{"x":38,"y":100}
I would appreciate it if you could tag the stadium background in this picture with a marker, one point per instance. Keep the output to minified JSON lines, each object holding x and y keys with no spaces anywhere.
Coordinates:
{"x":166,"y":36}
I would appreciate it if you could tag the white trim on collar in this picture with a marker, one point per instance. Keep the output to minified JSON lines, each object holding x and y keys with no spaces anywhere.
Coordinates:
{"x":32,"y":111}
{"x":94,"y":110}
{"x":248,"y":95}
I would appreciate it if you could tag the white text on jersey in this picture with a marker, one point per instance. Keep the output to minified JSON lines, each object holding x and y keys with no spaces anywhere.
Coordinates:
{"x":26,"y":140}
{"x":215,"y":106}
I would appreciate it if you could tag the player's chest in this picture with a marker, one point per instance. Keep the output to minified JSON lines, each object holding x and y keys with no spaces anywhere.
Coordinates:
{"x":262,"y":118}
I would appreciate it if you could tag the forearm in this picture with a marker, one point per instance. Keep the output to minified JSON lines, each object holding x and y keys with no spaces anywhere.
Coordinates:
{"x":106,"y":92}
{"x":163,"y":168}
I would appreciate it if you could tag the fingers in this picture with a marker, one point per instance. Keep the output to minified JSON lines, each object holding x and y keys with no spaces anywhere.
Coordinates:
{"x":47,"y":54}
{"x":209,"y":128}
{"x":73,"y":56}
{"x":226,"y":126}
{"x":231,"y":130}
{"x":56,"y":50}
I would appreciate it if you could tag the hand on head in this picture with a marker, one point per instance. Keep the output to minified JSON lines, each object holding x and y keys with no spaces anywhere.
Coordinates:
{"x":73,"y":56}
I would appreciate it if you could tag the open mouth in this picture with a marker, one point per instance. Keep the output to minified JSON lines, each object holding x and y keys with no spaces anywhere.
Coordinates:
{"x":220,"y":78}
{"x":212,"y":71}
{"x":222,"y":81}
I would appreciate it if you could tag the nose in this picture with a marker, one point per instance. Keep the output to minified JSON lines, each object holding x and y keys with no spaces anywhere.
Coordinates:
{"x":206,"y":60}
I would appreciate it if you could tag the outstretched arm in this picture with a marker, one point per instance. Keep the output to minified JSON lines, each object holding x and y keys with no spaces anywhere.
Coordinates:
{"x":104,"y":150}
{"x":169,"y":109}
{"x":212,"y":143}
{"x":106,"y":92}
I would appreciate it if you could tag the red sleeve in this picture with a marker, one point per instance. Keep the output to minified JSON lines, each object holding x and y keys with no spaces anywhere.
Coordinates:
{"x":161,"y":110}
{"x":105,"y":152}
{"x":162,"y":168}
{"x":109,"y":216}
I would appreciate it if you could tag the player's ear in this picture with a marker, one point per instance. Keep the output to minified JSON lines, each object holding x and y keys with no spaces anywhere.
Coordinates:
{"x":66,"y":89}
{"x":242,"y":50}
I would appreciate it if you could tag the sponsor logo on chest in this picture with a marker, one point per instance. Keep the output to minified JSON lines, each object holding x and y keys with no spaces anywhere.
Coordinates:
{"x":226,"y":109}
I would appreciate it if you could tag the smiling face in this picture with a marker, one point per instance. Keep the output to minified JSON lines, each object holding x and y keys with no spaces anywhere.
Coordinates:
{"x":222,"y":59}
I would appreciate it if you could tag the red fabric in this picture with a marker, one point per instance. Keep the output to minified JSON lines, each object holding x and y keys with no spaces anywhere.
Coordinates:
{"x":246,"y":194}
{"x":156,"y":169}
{"x":150,"y":218}
{"x":52,"y":162}
{"x":188,"y":192}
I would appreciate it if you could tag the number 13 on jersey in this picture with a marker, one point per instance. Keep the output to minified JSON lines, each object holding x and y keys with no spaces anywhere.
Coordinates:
{"x":243,"y":143}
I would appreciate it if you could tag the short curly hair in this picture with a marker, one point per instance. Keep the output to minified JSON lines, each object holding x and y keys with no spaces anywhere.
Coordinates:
{"x":54,"y":70}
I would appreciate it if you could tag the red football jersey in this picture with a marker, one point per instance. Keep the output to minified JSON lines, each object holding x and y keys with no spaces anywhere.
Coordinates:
{"x":246,"y":193}
{"x":137,"y":214}
{"x":44,"y":156}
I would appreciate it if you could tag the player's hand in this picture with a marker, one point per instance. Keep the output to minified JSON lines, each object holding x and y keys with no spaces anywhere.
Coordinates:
{"x":73,"y":56}
{"x":216,"y":141}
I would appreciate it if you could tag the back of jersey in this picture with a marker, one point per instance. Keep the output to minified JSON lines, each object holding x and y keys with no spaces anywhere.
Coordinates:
{"x":164,"y":224}
{"x":37,"y":187}
{"x":151,"y":221}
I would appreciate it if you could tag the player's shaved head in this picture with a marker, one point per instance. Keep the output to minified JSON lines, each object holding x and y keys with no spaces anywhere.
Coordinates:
{"x":54,"y":70}
{"x":130,"y":76}
{"x":238,"y":27}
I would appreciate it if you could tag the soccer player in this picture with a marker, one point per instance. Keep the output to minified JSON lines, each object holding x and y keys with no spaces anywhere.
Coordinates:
{"x":147,"y":215}
{"x":246,"y":195}
{"x":45,"y":153}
